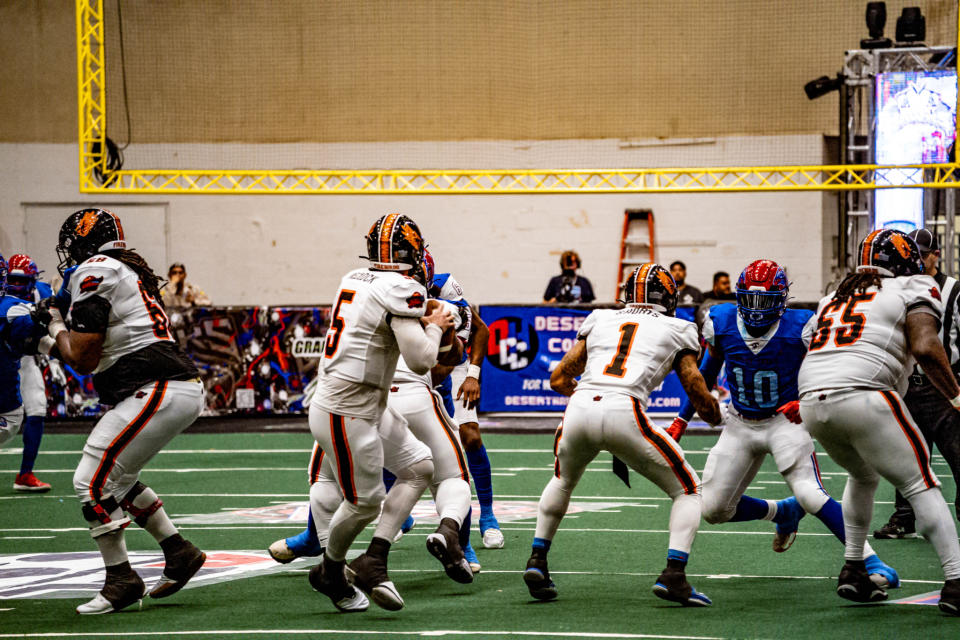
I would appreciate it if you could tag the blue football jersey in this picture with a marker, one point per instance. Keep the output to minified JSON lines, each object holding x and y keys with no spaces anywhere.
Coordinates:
{"x":761,"y":372}
{"x":42,"y":291}
{"x":16,"y":327}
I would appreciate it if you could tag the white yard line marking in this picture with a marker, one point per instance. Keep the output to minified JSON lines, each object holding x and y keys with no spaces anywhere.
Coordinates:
{"x":349,"y":632}
{"x":27,"y":537}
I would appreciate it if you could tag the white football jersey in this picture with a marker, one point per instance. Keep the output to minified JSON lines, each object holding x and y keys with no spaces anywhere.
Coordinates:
{"x":136,"y":319}
{"x":403,"y":374}
{"x":861,"y":343}
{"x":631,"y":350}
{"x":361,"y":351}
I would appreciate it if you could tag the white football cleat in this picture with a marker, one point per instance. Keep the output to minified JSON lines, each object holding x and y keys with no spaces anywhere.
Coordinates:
{"x":280,"y":552}
{"x":99,"y":605}
{"x":493,"y":539}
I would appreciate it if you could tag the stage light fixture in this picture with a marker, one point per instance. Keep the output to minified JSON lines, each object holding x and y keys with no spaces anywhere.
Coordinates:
{"x":876,"y":20}
{"x":822,"y":86}
{"x":911,"y":25}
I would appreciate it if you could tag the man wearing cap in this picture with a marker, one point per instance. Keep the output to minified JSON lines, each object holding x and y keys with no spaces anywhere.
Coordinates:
{"x":938,"y":420}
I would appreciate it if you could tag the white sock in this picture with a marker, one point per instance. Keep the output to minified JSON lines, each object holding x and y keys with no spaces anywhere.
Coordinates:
{"x":935,"y":523}
{"x":684,"y":521}
{"x":403,"y":495}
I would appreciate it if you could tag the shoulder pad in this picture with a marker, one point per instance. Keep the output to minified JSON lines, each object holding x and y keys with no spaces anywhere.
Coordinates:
{"x":401,"y":295}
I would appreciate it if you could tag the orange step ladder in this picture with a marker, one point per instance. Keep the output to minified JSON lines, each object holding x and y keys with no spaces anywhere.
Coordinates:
{"x":637,"y":242}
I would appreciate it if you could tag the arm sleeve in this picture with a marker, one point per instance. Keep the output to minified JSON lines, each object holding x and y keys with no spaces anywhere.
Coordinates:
{"x":586,"y":291}
{"x":90,"y":315}
{"x":418,"y":345}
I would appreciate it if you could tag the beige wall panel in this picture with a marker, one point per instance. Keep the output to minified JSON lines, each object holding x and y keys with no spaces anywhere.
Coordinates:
{"x":254,"y":71}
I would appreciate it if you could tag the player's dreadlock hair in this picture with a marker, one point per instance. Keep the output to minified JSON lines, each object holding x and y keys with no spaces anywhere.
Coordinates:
{"x":857,"y":283}
{"x":151,"y":281}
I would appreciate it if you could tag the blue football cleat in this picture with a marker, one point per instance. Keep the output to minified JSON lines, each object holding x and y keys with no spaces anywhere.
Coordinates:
{"x":882,"y":574}
{"x":471,"y":557}
{"x":298,"y":546}
{"x":789,"y":514}
{"x":404,"y":528}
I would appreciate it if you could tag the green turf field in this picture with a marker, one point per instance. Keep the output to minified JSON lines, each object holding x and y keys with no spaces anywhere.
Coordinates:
{"x":604,"y":559}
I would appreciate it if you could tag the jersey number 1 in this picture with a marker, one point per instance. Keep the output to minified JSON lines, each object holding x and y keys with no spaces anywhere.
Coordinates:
{"x":336,"y":323}
{"x":616,"y":368}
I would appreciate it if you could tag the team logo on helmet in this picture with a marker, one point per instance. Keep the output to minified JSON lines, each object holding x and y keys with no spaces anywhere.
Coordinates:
{"x":890,"y":253}
{"x":415,"y":301}
{"x":762,"y":291}
{"x":87,"y":221}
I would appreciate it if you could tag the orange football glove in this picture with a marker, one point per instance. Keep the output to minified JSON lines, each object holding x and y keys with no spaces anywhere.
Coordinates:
{"x":677,"y":428}
{"x":792,"y":411}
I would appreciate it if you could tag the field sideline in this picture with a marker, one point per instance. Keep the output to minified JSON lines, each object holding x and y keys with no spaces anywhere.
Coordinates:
{"x":233,"y":494}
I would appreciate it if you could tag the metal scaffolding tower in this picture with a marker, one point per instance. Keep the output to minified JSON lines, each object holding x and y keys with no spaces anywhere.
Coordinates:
{"x":858,"y":117}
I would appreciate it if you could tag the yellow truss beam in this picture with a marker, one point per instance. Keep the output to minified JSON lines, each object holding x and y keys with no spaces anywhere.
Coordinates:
{"x":92,"y":117}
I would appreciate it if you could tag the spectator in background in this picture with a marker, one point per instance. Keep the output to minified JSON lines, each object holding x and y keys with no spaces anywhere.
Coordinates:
{"x":687,"y":295}
{"x":721,"y":288}
{"x":179,"y":293}
{"x":568,"y":286}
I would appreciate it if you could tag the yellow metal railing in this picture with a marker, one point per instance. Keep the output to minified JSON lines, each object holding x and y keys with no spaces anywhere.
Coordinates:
{"x":92,"y":116}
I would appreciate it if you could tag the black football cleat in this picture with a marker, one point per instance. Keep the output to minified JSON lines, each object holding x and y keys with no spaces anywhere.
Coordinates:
{"x":122,"y":588}
{"x":537,"y":577}
{"x":672,"y":585}
{"x":182,"y":563}
{"x":896,"y":530}
{"x":950,"y":597}
{"x":854,"y":584}
{"x":369,"y":573}
{"x":343,"y":595}
{"x":444,"y":545}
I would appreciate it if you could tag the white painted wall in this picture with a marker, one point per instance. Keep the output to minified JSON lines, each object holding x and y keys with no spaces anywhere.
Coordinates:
{"x":260,"y":250}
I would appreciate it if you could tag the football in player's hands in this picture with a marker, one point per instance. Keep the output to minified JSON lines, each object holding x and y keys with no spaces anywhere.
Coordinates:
{"x":677,"y":428}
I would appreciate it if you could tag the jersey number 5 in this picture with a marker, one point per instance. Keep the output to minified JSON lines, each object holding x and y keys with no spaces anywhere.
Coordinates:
{"x":336,"y":323}
{"x":851,"y":323}
{"x":616,"y":368}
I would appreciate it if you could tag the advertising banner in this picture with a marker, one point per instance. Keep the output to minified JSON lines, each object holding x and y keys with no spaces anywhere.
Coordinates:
{"x":253,"y":360}
{"x":526,"y":344}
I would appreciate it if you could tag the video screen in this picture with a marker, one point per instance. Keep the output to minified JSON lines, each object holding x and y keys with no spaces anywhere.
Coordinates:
{"x":916,"y":123}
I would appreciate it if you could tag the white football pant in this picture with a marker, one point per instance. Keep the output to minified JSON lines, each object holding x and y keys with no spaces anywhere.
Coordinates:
{"x":10,"y":423}
{"x":736,"y":458}
{"x":32,"y":388}
{"x":127,"y":437}
{"x":616,"y":423}
{"x":871,"y":434}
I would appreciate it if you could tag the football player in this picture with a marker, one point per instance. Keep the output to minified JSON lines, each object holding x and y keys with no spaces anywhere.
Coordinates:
{"x":465,"y":383}
{"x":623,"y":354}
{"x":116,"y":328}
{"x":23,"y":283}
{"x":763,"y":344}
{"x":16,"y":329}
{"x":378,"y":314}
{"x":434,"y":459}
{"x":850,"y":386}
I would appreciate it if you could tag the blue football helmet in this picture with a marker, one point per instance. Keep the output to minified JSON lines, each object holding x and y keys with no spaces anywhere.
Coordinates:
{"x":22,"y":275}
{"x":762,"y":290}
